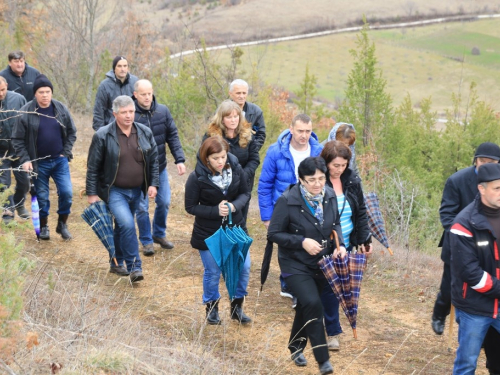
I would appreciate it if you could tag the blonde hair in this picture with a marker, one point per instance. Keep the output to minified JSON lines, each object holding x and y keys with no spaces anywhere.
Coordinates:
{"x":216,"y":126}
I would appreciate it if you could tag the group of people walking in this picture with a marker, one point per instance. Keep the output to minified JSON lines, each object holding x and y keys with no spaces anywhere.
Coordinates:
{"x":306,"y":191}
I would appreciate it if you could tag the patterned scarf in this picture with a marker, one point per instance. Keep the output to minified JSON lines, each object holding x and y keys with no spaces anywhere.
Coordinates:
{"x":315,"y":201}
{"x":222,"y":180}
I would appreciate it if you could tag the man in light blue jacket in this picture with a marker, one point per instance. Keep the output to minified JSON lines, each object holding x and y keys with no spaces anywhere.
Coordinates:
{"x":279,"y":169}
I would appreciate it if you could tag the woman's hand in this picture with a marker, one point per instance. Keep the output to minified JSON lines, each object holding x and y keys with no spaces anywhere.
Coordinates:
{"x":311,"y":246}
{"x":341,"y":253}
{"x":367,"y":249}
{"x":224,"y":210}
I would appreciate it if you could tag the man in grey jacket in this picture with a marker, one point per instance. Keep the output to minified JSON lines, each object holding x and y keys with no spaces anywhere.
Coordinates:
{"x":10,"y":102}
{"x":118,"y":82}
{"x":238,"y":91}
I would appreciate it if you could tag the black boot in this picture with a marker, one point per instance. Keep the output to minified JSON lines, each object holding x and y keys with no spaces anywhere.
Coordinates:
{"x":44,"y":228}
{"x":237,"y":311}
{"x":22,"y":212}
{"x":62,"y":228}
{"x":212,"y":309}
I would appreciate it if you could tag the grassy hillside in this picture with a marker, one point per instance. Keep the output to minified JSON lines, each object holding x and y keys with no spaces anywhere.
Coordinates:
{"x":421,"y":61}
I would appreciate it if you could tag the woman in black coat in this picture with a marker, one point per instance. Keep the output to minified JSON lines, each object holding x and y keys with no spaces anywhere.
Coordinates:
{"x":229,"y":122}
{"x":218,"y":178}
{"x":353,"y":220}
{"x":301,"y":224}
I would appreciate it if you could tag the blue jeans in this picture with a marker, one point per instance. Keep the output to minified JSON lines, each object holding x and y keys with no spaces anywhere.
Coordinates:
{"x":162,"y":201}
{"x":211,"y":277}
{"x":471,"y":332}
{"x":58,"y":169}
{"x":123,"y":203}
{"x":331,"y":311}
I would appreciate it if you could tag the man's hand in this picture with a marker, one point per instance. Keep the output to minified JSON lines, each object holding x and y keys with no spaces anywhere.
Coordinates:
{"x":152,"y":192}
{"x":27,"y":167}
{"x":266,"y":223}
{"x":366,"y":249}
{"x":92,"y":198}
{"x":312,"y":246}
{"x":181,"y":168}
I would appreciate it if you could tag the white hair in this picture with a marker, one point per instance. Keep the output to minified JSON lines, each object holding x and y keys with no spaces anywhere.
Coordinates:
{"x":122,"y":101}
{"x":239,"y":82}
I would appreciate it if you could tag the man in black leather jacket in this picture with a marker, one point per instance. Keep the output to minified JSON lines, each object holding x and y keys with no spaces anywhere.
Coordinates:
{"x":122,"y":168}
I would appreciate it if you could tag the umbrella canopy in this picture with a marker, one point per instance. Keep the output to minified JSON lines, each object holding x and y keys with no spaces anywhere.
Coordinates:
{"x":229,"y":246}
{"x":266,"y":263}
{"x":344,"y":275}
{"x":98,"y":216}
{"x":35,"y":209}
{"x":375,"y":220}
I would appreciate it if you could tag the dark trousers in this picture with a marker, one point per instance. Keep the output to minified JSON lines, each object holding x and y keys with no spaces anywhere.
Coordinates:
{"x":308,"y":322}
{"x":22,"y":182}
{"x":443,"y":301}
{"x":442,"y":307}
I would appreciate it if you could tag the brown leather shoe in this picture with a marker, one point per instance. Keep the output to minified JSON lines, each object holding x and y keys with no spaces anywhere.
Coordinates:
{"x":136,"y":276}
{"x":148,"y":250}
{"x":120,"y":270}
{"x":163,"y":242}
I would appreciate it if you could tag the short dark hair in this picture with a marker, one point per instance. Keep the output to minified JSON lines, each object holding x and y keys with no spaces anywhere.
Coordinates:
{"x":212,"y":145}
{"x":334,"y":149}
{"x":310,"y":165}
{"x":302,"y":118}
{"x":16,"y":55}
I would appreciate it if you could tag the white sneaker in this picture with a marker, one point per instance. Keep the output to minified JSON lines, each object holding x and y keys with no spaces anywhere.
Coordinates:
{"x":333,"y":343}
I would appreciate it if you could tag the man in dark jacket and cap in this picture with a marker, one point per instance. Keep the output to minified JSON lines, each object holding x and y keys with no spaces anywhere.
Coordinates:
{"x":157,"y":117}
{"x":122,"y":168}
{"x":10,"y":102}
{"x":19,"y":75}
{"x":238,"y":91}
{"x":475,"y":269}
{"x":118,"y":82}
{"x":459,"y":191}
{"x":43,"y":139}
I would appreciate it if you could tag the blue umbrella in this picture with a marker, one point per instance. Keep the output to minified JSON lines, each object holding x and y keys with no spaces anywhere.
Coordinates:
{"x":35,"y":209}
{"x":229,"y":246}
{"x":98,"y":216}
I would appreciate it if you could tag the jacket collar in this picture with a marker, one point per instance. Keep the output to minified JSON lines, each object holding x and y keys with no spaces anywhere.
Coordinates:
{"x":478,"y":220}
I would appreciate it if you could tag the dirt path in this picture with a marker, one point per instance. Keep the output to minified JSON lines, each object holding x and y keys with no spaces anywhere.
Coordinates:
{"x":394,"y":334}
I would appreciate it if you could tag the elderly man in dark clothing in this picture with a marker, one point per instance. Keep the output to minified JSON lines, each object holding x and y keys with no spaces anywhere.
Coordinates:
{"x":122,"y":167}
{"x":19,"y":75}
{"x":157,"y":117}
{"x":238,"y":91}
{"x":43,"y":139}
{"x":459,"y":191}
{"x":118,"y":82}
{"x":10,"y":102}
{"x":475,"y":269}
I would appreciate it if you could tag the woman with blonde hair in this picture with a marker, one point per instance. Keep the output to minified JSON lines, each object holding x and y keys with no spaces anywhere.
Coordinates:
{"x":229,"y":123}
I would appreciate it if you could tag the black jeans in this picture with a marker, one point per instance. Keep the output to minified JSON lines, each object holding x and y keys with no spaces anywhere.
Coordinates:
{"x":308,"y":322}
{"x":22,"y":182}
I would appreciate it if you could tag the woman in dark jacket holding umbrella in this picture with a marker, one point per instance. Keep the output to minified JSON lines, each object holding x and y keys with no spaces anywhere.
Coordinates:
{"x":353,"y":220}
{"x":229,"y":122}
{"x":302,"y":221}
{"x":217,"y":179}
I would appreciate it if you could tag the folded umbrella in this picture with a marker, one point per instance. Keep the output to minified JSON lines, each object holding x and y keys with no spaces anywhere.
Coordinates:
{"x":35,"y":210}
{"x":375,"y":220}
{"x":98,"y":216}
{"x":266,"y":263}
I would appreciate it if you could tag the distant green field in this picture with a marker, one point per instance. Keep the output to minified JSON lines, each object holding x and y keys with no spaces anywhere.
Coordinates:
{"x":418,"y":61}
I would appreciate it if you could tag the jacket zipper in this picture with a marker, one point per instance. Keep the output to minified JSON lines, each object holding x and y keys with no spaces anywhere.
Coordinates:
{"x":116,"y":172}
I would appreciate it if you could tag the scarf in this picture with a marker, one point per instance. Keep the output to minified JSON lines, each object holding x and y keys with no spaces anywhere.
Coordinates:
{"x":222,"y":180}
{"x":315,"y":201}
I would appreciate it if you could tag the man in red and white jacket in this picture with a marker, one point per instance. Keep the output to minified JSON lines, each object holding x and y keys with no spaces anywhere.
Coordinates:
{"x":475,"y":269}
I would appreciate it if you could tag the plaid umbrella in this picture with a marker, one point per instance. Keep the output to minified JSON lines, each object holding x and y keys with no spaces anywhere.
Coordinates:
{"x":98,"y":216}
{"x":35,"y":209}
{"x":375,"y":220}
{"x":344,"y":275}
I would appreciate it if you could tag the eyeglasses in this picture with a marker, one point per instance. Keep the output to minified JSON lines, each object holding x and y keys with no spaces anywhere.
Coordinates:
{"x":314,"y":181}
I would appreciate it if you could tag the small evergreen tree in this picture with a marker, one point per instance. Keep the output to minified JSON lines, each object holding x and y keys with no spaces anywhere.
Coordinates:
{"x":306,"y":92}
{"x":367,"y":106}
